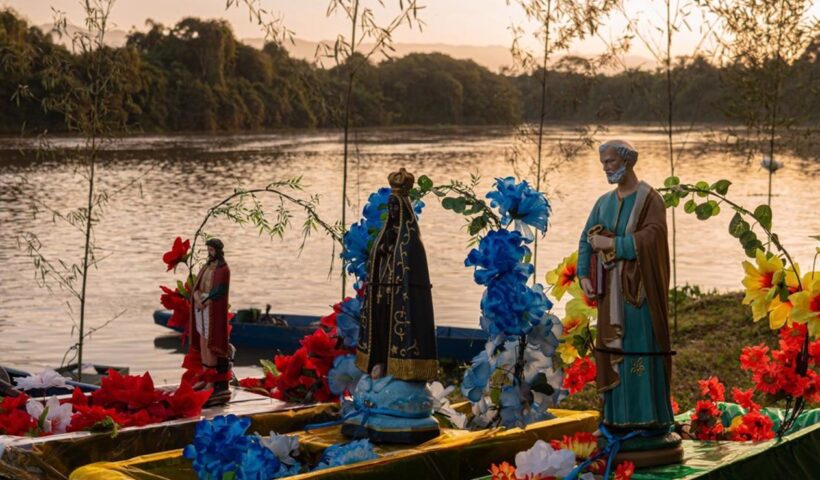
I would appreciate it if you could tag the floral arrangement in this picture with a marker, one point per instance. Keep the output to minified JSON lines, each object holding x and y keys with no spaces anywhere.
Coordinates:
{"x":322,"y":369}
{"x":512,"y":382}
{"x":574,"y":456}
{"x":222,"y":449}
{"x":774,"y":289}
{"x":121,"y":401}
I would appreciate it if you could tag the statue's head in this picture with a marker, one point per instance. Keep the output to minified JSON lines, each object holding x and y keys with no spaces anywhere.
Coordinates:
{"x":401,"y":182}
{"x":215,"y":250}
{"x":617,"y":157}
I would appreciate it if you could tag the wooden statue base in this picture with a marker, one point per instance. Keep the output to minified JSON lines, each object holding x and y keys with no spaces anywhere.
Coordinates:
{"x":652,"y":458}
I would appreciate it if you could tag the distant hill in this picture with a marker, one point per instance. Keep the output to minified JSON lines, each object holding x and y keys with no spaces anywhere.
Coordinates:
{"x":493,"y":57}
{"x":113,"y":38}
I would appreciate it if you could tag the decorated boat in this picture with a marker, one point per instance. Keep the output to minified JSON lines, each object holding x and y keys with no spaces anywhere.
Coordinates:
{"x":283,"y":332}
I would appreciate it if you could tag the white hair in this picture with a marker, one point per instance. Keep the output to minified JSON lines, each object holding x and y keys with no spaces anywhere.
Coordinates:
{"x":624,"y":150}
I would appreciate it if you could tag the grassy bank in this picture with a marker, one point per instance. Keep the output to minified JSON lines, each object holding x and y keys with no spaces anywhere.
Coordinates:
{"x":712,"y":331}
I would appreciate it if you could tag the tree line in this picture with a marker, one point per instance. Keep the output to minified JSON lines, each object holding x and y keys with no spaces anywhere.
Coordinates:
{"x":196,"y":76}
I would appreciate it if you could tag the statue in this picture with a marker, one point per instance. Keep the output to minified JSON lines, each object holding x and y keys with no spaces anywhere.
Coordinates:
{"x":397,"y":332}
{"x":623,"y":261}
{"x":209,"y":323}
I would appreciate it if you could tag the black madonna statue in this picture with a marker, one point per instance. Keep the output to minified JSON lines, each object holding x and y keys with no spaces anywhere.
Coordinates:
{"x":397,"y":334}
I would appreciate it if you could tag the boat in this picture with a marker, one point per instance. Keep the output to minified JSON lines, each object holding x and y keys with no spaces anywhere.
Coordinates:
{"x":14,"y":373}
{"x":283,"y":332}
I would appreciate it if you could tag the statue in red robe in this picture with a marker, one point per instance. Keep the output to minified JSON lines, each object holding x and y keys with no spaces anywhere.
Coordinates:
{"x":209,"y":327}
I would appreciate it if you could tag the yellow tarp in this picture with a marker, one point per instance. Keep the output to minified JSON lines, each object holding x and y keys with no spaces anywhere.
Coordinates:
{"x":55,"y":457}
{"x":454,"y":454}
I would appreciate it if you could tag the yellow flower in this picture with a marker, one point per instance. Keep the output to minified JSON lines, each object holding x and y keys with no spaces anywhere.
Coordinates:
{"x":807,"y":304}
{"x":564,"y":275}
{"x":567,"y":352}
{"x":779,"y":311}
{"x":574,"y":324}
{"x":759,"y":281}
{"x":581,"y":305}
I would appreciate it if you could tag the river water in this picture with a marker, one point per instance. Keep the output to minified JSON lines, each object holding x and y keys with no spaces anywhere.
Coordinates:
{"x":179,"y":177}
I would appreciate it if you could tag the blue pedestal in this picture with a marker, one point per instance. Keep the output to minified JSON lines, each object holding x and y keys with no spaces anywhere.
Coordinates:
{"x":391,"y":411}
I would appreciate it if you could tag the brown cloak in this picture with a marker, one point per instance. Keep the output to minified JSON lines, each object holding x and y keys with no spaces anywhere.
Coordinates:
{"x":217,"y":310}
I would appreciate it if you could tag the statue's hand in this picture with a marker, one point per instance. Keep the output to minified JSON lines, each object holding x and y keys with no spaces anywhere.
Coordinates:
{"x":600,"y":242}
{"x":586,"y":285}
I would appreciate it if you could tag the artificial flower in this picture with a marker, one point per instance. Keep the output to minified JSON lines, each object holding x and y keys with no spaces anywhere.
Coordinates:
{"x":511,"y":307}
{"x":218,"y":445}
{"x":712,"y":388}
{"x":567,"y":352}
{"x":624,"y":471}
{"x":355,"y":251}
{"x":505,"y":471}
{"x":780,"y":310}
{"x":512,"y":407}
{"x":177,"y":254}
{"x":441,"y":404}
{"x":344,"y":375}
{"x":581,"y":372}
{"x":574,"y":324}
{"x":543,"y":461}
{"x":187,"y":402}
{"x":806,"y":310}
{"x":476,"y":377}
{"x":768,"y":378}
{"x":57,"y":417}
{"x":346,"y":453}
{"x":347,"y":321}
{"x":500,"y":253}
{"x":521,"y":204}
{"x":284,"y":447}
{"x":744,"y":399}
{"x":754,"y":427}
{"x":44,"y":380}
{"x":675,"y":406}
{"x":754,"y":357}
{"x":581,"y":305}
{"x":706,"y":424}
{"x":564,"y":275}
{"x":759,"y":280}
{"x":583,"y":444}
{"x":484,"y":412}
{"x":178,"y":304}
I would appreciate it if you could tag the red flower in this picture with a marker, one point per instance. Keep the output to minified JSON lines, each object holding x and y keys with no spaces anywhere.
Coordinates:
{"x":791,"y":339}
{"x":767,"y":379}
{"x":754,"y":426}
{"x":814,"y":352}
{"x":744,"y":399}
{"x":250,"y":383}
{"x":754,"y":357}
{"x":18,"y":423}
{"x":706,"y":423}
{"x":78,"y":398}
{"x":584,"y":444}
{"x":793,"y":384}
{"x":187,"y":402}
{"x":505,"y":471}
{"x":675,"y":407}
{"x":581,"y":372}
{"x":10,"y":404}
{"x":712,"y":388}
{"x":178,"y":304}
{"x":322,"y":350}
{"x":88,"y":418}
{"x":624,"y":471}
{"x":812,"y":393}
{"x":177,"y":254}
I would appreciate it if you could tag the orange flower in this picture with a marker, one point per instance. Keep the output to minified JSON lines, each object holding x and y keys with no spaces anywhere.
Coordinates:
{"x":505,"y":471}
{"x":624,"y":471}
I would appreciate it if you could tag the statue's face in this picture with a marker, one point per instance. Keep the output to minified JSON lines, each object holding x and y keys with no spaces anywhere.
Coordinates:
{"x":614,"y":166}
{"x":393,"y":206}
{"x":211,"y":252}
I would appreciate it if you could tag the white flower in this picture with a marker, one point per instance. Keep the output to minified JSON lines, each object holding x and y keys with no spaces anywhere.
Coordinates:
{"x":439,"y":394}
{"x":459,"y":420}
{"x":46,"y":379}
{"x":58,"y":417}
{"x":484,"y":412}
{"x":542,"y":460}
{"x":283,"y":446}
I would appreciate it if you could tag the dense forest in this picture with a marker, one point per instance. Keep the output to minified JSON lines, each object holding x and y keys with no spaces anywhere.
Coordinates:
{"x":196,"y":76}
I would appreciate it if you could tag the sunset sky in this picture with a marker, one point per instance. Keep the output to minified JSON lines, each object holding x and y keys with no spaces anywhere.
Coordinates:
{"x":454,"y":22}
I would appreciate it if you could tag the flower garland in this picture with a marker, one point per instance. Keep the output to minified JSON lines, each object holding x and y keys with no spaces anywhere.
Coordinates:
{"x":121,"y":401}
{"x":512,"y":382}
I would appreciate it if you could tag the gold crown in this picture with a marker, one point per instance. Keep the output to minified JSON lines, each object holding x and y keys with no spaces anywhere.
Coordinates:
{"x":401,"y":182}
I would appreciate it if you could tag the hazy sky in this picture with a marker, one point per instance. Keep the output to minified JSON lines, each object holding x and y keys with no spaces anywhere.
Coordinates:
{"x":457,"y":22}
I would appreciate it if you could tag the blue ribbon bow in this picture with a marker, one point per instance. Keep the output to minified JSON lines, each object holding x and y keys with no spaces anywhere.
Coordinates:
{"x":613,"y":446}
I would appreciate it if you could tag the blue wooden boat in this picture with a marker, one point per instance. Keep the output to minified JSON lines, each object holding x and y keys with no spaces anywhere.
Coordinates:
{"x":282,"y":332}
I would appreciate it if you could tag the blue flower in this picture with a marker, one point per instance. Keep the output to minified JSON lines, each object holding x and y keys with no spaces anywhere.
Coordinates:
{"x":356,"y":247}
{"x":510,"y":307}
{"x":347,"y":321}
{"x":218,"y":446}
{"x":499,"y":253}
{"x":257,"y":463}
{"x":512,"y":409}
{"x":346,"y":453}
{"x":476,"y":377}
{"x":375,"y":210}
{"x":344,"y":375}
{"x":545,"y":333}
{"x":520,"y":203}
